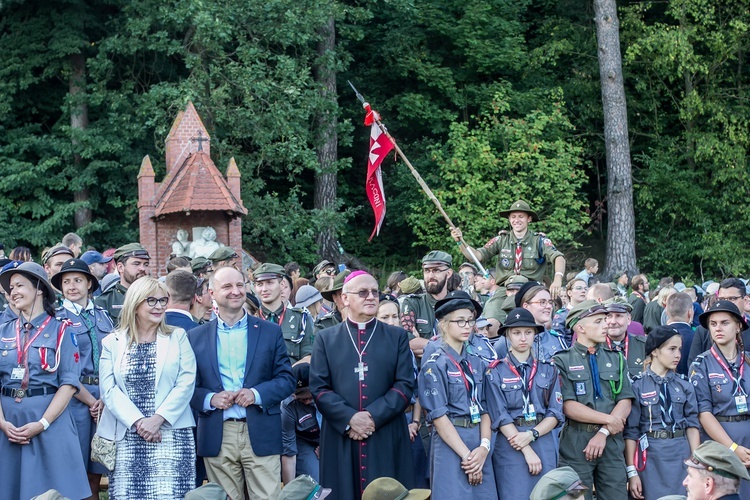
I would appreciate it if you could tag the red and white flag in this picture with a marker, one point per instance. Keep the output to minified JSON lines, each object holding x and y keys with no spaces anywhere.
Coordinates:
{"x":380,"y":146}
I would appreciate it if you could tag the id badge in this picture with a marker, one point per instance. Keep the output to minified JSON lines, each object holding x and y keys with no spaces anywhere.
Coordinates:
{"x":643,"y":442}
{"x":531,"y":414}
{"x":475,"y":417}
{"x":741,"y":403}
{"x":19,"y":371}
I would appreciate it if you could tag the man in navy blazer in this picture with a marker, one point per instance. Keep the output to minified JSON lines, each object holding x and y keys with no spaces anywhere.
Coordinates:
{"x":182,"y":286}
{"x":243,"y":374}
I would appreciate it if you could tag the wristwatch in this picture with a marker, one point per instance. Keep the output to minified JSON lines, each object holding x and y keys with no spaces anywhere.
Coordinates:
{"x":534,"y":434}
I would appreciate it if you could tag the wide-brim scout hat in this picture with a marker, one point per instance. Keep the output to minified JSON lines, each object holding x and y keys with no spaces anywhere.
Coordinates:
{"x":33,"y":272}
{"x":520,"y":317}
{"x":268,"y":271}
{"x":557,"y":483}
{"x":387,"y":488}
{"x":304,"y":487}
{"x":437,"y":257}
{"x":659,"y":336}
{"x":584,"y":310}
{"x":455,"y":300}
{"x":74,"y":266}
{"x":223,"y":253}
{"x":131,"y":250}
{"x":719,"y":459}
{"x":338,"y":284}
{"x":520,"y":206}
{"x":722,"y":306}
{"x":617,"y":305}
{"x":306,"y":296}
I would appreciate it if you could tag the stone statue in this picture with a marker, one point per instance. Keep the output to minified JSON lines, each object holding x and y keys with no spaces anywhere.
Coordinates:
{"x":206,"y":244}
{"x":181,"y":247}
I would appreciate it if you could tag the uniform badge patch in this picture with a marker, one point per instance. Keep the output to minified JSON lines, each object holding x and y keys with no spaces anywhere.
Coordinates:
{"x":505,"y":262}
{"x":558,"y":398}
{"x":648,"y":394}
{"x":580,"y":388}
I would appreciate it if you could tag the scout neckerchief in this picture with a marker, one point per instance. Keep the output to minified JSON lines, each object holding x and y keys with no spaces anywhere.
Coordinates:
{"x":622,"y":354}
{"x":619,"y":347}
{"x":595,"y":372}
{"x":737,"y":381}
{"x":665,"y":405}
{"x":526,"y":382}
{"x":87,"y":316}
{"x":519,"y":258}
{"x":464,"y":368}
{"x":272,"y":317}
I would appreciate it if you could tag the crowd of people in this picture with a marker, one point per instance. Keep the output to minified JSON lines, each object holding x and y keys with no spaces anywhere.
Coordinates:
{"x":523,"y":381}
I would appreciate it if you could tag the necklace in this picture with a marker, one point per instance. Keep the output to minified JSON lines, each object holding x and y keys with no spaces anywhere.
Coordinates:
{"x":361,"y":367}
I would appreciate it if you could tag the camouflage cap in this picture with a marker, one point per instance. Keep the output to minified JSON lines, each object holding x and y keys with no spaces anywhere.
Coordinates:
{"x":438,"y":256}
{"x":719,"y":459}
{"x":267,"y":271}
{"x":131,"y":250}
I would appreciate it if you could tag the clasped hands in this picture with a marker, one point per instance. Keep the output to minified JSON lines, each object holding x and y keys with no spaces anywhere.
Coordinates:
{"x":21,"y":435}
{"x":473,"y":463}
{"x":225,"y":399}
{"x":361,"y":426}
{"x":149,"y":428}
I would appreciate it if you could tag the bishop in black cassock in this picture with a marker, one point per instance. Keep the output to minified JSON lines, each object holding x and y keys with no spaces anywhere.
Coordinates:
{"x":362,"y":377}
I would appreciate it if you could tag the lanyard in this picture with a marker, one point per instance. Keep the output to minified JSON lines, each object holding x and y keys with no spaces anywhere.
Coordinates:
{"x":525,"y":389}
{"x":627,"y":339}
{"x":469,"y":383}
{"x":737,"y":380}
{"x":23,"y":352}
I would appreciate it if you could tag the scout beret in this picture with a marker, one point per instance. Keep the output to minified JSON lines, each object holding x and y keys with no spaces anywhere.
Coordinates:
{"x":617,"y":305}
{"x":658,"y":337}
{"x":719,"y":459}
{"x":722,"y":306}
{"x":199,"y":263}
{"x":556,"y":484}
{"x":520,"y":206}
{"x":584,"y":310}
{"x":438,"y":256}
{"x":338,"y":284}
{"x":224,"y":253}
{"x":131,"y":250}
{"x":302,"y":488}
{"x":524,"y":289}
{"x":515,"y":282}
{"x":301,"y":373}
{"x":74,"y":266}
{"x":520,"y":317}
{"x":267,"y":271}
{"x":56,"y":250}
{"x":455,"y":300}
{"x":322,"y":265}
{"x":32,"y":271}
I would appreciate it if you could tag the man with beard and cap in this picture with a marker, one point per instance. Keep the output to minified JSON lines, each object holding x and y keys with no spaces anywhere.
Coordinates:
{"x":519,"y":251}
{"x":297,"y":330}
{"x":418,"y":311}
{"x":639,"y":298}
{"x":597,"y":398}
{"x":334,"y":295}
{"x":132,"y":263}
{"x":362,"y":378}
{"x":633,"y":347}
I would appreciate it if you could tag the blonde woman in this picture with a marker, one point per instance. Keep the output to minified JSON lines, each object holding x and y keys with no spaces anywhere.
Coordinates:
{"x":147,"y":376}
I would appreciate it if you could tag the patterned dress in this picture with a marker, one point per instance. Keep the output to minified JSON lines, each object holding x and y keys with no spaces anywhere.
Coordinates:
{"x":150,"y":471}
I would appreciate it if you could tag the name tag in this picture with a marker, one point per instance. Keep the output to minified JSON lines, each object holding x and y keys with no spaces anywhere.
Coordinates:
{"x":715,"y":375}
{"x":422,"y":321}
{"x":648,"y":394}
{"x":17,"y":373}
{"x":511,"y":380}
{"x":454,"y":374}
{"x":577,"y":368}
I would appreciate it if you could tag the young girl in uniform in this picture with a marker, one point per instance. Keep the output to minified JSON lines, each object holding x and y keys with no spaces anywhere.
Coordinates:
{"x":525,"y":405}
{"x":662,"y":428}
{"x":452,"y":394}
{"x":721,"y":377}
{"x":535,"y":297}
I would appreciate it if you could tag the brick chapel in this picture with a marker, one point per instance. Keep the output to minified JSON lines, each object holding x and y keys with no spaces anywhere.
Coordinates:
{"x":193,"y":195}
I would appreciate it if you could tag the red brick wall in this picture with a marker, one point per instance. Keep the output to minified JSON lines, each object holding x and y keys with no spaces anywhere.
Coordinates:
{"x":186,"y":127}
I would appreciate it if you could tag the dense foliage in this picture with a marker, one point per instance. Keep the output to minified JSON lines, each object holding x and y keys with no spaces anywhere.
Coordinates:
{"x":491,"y":100}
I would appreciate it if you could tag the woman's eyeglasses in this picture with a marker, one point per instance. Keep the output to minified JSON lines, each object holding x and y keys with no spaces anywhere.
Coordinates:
{"x":463,"y":323}
{"x":152,"y":301}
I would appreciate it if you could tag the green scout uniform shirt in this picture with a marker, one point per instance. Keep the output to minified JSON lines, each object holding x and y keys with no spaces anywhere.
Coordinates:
{"x":636,"y":353}
{"x":333,"y":318}
{"x":423,"y":307}
{"x":294,"y":327}
{"x":112,"y":301}
{"x":504,"y":246}
{"x":575,"y":377}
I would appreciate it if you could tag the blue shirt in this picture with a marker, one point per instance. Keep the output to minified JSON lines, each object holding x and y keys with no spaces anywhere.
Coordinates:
{"x":231,"y":350}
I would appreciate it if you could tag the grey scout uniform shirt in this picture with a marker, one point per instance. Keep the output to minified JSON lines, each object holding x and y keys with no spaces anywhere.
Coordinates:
{"x":714,"y":389}
{"x":636,"y":353}
{"x":576,"y":382}
{"x":297,"y":328}
{"x":112,"y":301}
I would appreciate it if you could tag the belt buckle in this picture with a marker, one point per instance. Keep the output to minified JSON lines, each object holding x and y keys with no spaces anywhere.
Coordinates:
{"x":20,"y":394}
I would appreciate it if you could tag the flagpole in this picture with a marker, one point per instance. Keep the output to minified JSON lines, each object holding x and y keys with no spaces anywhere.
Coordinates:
{"x":422,"y":183}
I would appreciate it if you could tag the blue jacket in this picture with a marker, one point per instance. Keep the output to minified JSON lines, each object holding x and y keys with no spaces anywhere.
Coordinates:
{"x":179,"y":320}
{"x":267,"y":370}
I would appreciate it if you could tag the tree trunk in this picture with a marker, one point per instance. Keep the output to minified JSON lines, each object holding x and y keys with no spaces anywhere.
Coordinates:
{"x":79,"y":121}
{"x":620,"y":253}
{"x":327,"y":141}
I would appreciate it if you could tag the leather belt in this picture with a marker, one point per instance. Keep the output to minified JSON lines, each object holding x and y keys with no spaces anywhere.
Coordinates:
{"x":90,"y":380}
{"x":733,"y":418}
{"x":235,"y":420}
{"x":584,"y":427}
{"x":464,"y":422}
{"x":27,"y":393}
{"x":522,"y":422}
{"x":666,"y":434}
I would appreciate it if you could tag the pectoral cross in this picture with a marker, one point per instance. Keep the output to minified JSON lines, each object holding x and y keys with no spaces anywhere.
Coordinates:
{"x":361,"y":369}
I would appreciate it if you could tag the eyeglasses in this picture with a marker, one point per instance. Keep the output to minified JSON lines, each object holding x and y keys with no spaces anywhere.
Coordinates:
{"x":542,"y":303}
{"x":363,"y":294}
{"x":462,"y":323}
{"x":152,"y":301}
{"x":732,"y":299}
{"x":330,"y":271}
{"x":434,"y":270}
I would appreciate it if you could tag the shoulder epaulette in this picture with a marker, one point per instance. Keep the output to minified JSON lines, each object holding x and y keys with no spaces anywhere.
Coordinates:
{"x":639,"y":338}
{"x":540,"y":234}
{"x":434,"y":356}
{"x":636,"y":377}
{"x":502,"y":232}
{"x":494,"y":363}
